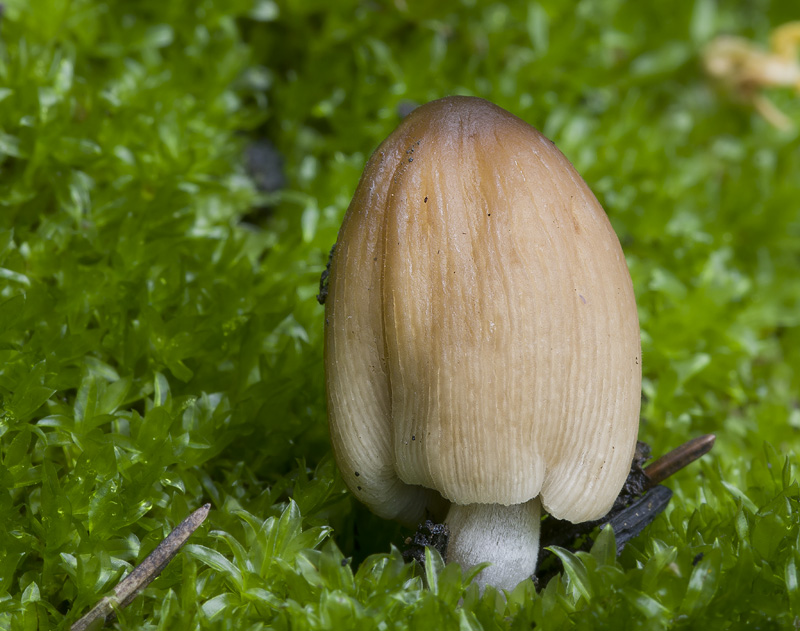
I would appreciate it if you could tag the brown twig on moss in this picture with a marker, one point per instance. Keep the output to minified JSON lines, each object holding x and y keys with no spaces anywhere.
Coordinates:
{"x":678,"y":458}
{"x":143,"y":574}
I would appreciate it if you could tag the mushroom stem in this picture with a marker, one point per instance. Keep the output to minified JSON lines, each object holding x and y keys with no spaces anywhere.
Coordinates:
{"x":505,"y":536}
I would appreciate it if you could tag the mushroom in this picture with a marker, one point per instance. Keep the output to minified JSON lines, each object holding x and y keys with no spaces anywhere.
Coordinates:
{"x":482,"y":348}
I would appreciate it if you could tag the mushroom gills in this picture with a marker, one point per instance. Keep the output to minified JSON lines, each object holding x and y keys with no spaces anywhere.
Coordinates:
{"x":505,"y":536}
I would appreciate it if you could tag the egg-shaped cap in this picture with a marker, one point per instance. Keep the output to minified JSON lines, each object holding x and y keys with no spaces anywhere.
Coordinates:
{"x":482,"y":337}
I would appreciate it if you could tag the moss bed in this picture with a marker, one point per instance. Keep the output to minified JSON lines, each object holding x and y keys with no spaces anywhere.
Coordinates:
{"x":172,"y":176}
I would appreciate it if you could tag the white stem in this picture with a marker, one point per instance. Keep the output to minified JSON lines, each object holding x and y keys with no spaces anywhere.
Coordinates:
{"x":506,"y":536}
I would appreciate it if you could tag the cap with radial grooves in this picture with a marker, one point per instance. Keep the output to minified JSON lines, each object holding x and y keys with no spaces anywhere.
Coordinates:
{"x":482,"y":338}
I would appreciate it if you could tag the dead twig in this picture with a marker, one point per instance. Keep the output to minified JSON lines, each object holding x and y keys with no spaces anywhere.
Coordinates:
{"x":143,"y":574}
{"x":678,"y":458}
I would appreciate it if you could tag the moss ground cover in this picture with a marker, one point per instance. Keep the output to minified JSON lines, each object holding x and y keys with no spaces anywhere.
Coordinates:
{"x":160,"y":341}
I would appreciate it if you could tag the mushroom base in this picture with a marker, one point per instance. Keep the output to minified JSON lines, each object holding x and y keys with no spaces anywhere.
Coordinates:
{"x":505,"y":536}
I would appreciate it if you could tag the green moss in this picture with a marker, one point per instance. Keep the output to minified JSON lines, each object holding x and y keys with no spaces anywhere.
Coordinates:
{"x":160,"y":344}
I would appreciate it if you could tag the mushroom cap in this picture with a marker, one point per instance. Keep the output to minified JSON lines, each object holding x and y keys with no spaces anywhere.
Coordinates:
{"x":482,"y":338}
